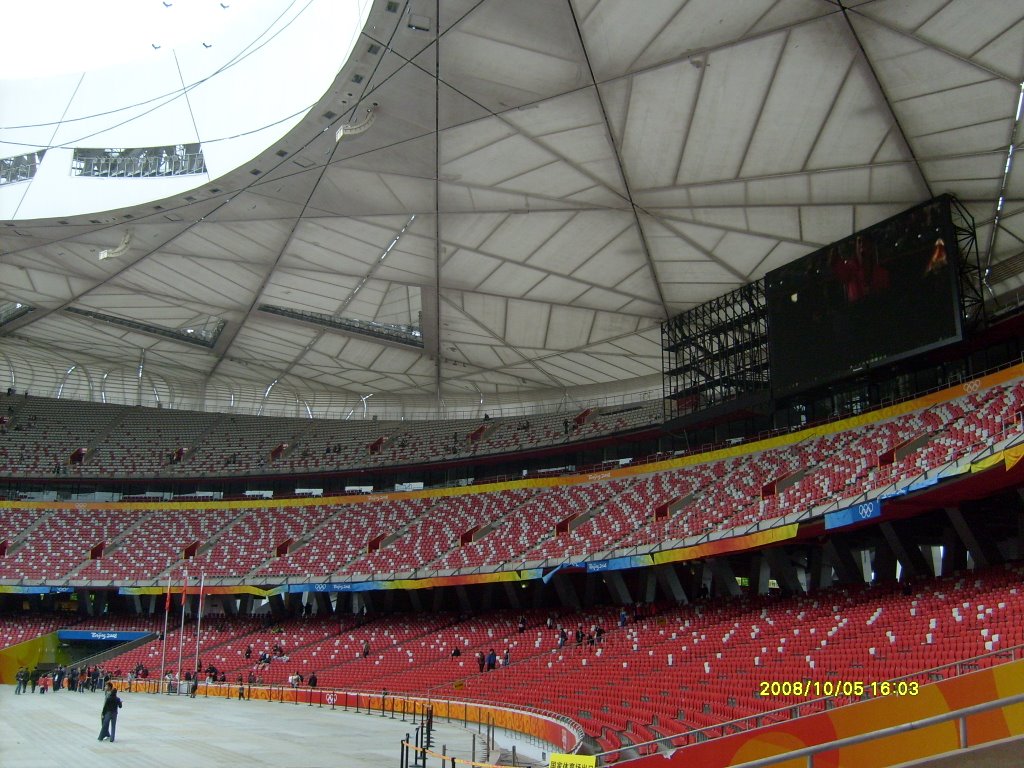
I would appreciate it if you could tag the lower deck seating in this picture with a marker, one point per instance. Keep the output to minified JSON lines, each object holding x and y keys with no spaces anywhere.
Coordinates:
{"x":659,"y":672}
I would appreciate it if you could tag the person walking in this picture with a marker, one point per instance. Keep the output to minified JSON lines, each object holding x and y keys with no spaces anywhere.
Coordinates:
{"x":108,"y":715}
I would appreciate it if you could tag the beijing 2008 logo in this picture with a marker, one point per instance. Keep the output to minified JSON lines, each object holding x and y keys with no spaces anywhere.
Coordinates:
{"x":866,"y":510}
{"x":972,"y":386}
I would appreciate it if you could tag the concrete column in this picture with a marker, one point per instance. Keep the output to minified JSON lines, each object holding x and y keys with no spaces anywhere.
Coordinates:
{"x":906,"y":551}
{"x":84,"y":602}
{"x":277,"y":607}
{"x":591,"y":584}
{"x":244,"y":605}
{"x":566,"y":592}
{"x":650,"y":586}
{"x":954,"y":553}
{"x":782,"y":569}
{"x":511,"y":589}
{"x":487,"y":594}
{"x":438,"y":599}
{"x":416,"y":600}
{"x":670,"y":584}
{"x":322,"y":600}
{"x":819,"y":570}
{"x":884,"y":563}
{"x":724,"y":577}
{"x":618,"y":588}
{"x":839,"y":557}
{"x":982,"y":549}
{"x":760,"y":573}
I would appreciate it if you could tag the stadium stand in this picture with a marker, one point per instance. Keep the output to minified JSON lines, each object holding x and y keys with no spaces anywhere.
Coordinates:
{"x":702,"y":664}
{"x":43,"y":434}
{"x":521,"y":525}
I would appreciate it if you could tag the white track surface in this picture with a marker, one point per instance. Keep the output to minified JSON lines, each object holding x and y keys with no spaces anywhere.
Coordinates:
{"x":61,"y":730}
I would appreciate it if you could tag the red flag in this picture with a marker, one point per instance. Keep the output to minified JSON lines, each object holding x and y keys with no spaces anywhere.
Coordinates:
{"x":167,"y":601}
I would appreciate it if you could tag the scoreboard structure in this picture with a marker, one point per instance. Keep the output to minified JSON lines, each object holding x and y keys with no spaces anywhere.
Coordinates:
{"x":897,"y":289}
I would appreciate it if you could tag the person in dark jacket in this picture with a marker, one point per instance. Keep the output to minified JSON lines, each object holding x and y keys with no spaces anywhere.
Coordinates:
{"x":108,"y":715}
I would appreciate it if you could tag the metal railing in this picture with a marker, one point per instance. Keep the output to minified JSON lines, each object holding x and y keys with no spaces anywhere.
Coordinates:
{"x":814,"y":706}
{"x":960,"y":715}
{"x":21,"y":167}
{"x":152,"y":162}
{"x":396,"y":706}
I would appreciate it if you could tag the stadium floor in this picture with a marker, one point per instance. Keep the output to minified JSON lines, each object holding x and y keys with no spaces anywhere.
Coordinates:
{"x":61,"y":729}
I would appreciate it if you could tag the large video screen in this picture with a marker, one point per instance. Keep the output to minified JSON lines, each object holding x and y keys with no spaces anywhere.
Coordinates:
{"x":884,"y":293}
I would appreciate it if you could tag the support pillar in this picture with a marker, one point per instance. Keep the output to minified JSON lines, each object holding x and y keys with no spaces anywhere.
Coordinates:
{"x":724,"y":577}
{"x":618,"y":589}
{"x":323,"y":604}
{"x":906,"y":551}
{"x":819,"y":570}
{"x":416,"y":600}
{"x":84,"y":602}
{"x":884,"y":563}
{"x":982,"y":549}
{"x":839,"y":557}
{"x":277,"y":607}
{"x":650,"y":587}
{"x":760,"y":573}
{"x":953,"y":551}
{"x":566,"y":593}
{"x":244,"y":605}
{"x":782,"y":569}
{"x":591,"y":583}
{"x":512,"y":591}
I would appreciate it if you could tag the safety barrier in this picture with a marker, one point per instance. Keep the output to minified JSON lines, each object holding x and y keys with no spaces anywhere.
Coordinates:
{"x":556,"y":731}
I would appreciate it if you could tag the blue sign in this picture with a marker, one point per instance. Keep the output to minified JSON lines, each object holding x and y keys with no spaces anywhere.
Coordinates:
{"x":866,"y":510}
{"x":337,"y":586}
{"x":616,"y":564}
{"x":928,"y":482}
{"x":39,"y":590}
{"x":97,"y":635}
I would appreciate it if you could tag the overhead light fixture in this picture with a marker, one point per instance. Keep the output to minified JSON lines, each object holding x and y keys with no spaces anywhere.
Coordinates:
{"x":354,"y":129}
{"x":418,"y":23}
{"x":121,"y":250}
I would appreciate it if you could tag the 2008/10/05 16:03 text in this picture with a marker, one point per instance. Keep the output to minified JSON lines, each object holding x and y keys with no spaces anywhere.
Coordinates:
{"x":856,"y":688}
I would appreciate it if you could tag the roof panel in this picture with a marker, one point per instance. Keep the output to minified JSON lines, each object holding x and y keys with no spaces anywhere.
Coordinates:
{"x":731,"y":92}
{"x":746,"y":135}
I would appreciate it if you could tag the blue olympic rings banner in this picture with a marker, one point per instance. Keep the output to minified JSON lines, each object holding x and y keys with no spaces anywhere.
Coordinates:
{"x":858,"y":513}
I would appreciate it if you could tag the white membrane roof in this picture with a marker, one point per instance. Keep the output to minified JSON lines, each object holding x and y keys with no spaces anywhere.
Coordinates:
{"x":560,"y":177}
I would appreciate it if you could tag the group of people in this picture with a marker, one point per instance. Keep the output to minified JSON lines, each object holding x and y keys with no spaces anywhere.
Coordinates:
{"x":23,"y":678}
{"x":90,"y":678}
{"x":488,"y":661}
{"x":296,"y":679}
{"x":267,"y":655}
{"x":589,"y":639}
{"x":78,"y":680}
